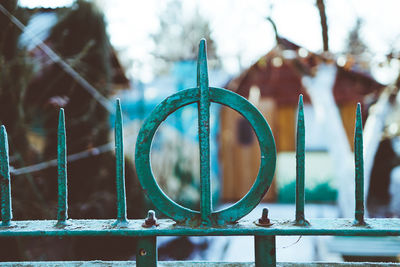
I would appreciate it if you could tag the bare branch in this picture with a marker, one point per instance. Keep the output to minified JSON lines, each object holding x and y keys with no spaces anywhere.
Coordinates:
{"x":324,"y":24}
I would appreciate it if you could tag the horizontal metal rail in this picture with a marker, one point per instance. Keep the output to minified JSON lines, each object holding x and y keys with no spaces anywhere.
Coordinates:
{"x":167,"y":227}
{"x":190,"y":264}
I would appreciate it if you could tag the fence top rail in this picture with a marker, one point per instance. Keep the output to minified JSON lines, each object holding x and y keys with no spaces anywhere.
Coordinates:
{"x":98,"y":263}
{"x":167,"y":227}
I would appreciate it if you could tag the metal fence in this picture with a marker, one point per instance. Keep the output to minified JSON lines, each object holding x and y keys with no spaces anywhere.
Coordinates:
{"x":183,"y":221}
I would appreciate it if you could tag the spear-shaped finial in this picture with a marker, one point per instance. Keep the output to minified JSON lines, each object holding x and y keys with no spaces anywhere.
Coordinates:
{"x":359,"y":169}
{"x":300,"y":161}
{"x":6,"y":211}
{"x":62,"y":209}
{"x":204,"y":134}
{"x":120,"y":167}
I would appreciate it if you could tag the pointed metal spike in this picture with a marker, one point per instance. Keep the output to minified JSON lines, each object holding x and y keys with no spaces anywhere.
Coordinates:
{"x":120,"y":166}
{"x":62,"y":209}
{"x":359,"y":169}
{"x":6,"y":211}
{"x":358,"y":116}
{"x":202,"y":68}
{"x":204,"y":134}
{"x":300,"y":161}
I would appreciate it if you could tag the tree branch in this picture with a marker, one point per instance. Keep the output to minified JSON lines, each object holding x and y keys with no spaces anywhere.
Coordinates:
{"x":324,"y":24}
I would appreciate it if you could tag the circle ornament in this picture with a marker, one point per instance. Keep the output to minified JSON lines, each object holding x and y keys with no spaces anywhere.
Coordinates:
{"x":267,"y":161}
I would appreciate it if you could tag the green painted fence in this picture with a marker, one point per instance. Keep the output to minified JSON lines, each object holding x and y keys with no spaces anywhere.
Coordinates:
{"x":183,"y":221}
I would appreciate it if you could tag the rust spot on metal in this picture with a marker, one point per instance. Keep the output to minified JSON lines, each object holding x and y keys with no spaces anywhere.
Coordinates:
{"x":143,"y":252}
{"x":264,"y":220}
{"x":151,"y":220}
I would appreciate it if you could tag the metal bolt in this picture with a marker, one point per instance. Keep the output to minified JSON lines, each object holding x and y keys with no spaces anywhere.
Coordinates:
{"x":151,"y":219}
{"x":143,"y":252}
{"x":264,"y":220}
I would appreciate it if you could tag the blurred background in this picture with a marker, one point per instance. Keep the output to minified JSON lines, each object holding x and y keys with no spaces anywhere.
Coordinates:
{"x":82,"y":55}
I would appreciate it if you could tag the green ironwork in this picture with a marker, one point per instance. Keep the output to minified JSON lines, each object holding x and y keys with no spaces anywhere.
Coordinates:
{"x":263,"y":132}
{"x":6,"y":211}
{"x":98,"y":263}
{"x":204,"y":135}
{"x":168,"y":227}
{"x":146,"y":251}
{"x":62,"y":209}
{"x":265,"y":251}
{"x":120,"y":167}
{"x":183,"y":221}
{"x":359,"y":168}
{"x":300,"y":172}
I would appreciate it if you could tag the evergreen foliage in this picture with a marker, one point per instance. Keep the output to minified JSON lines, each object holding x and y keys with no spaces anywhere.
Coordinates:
{"x":30,"y":99}
{"x":16,"y":71}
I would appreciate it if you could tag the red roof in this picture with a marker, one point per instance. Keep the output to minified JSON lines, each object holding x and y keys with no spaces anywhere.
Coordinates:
{"x":282,"y":81}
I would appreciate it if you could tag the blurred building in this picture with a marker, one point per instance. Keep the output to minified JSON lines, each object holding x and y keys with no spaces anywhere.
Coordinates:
{"x":273,"y":84}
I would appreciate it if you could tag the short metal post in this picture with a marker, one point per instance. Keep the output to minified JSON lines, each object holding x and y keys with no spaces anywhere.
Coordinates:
{"x":265,"y":251}
{"x":146,"y":252}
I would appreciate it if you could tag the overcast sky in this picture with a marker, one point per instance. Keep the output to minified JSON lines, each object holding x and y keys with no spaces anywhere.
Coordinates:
{"x":239,"y":27}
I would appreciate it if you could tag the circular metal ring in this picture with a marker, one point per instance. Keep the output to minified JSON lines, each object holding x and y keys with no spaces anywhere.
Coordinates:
{"x":267,"y":162}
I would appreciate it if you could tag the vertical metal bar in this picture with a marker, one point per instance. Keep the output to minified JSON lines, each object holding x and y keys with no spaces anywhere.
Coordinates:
{"x":359,"y":169}
{"x":265,"y":251}
{"x":120,"y":167}
{"x":146,"y":252}
{"x":6,"y":211}
{"x":300,"y":170}
{"x":204,"y":134}
{"x":62,"y":209}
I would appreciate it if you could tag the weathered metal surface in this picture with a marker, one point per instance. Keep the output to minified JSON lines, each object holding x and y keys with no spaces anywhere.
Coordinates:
{"x":151,"y":219}
{"x":146,"y":252}
{"x":359,"y":169}
{"x":167,"y":227}
{"x":267,"y":162}
{"x":265,"y":251}
{"x":6,"y":211}
{"x":142,"y":155}
{"x":264,"y":220}
{"x":120,"y":167}
{"x":62,"y":208}
{"x":300,"y":160}
{"x":191,"y":264}
{"x":204,"y":135}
